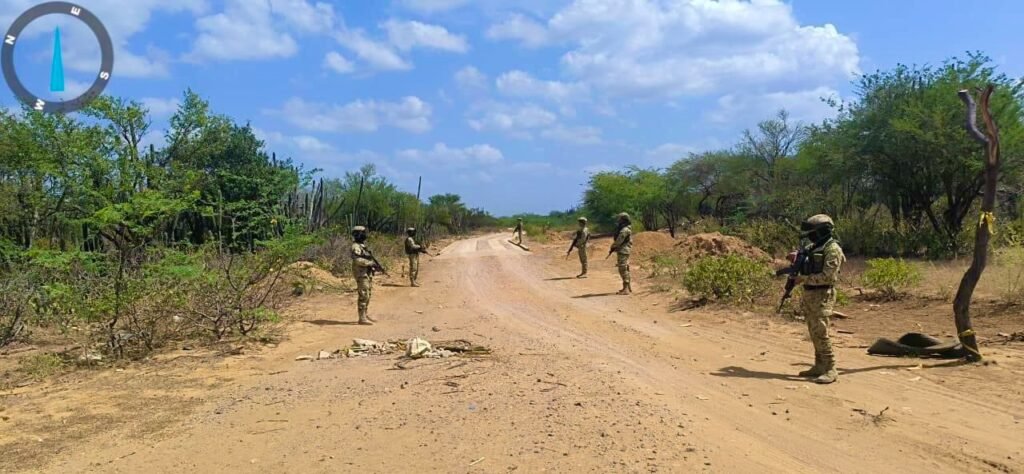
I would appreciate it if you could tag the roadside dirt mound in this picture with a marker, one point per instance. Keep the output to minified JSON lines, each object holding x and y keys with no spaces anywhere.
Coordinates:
{"x":714,"y":244}
{"x":307,"y":274}
{"x":649,"y":244}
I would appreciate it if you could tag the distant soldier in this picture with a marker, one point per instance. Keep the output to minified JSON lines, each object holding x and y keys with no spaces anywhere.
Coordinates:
{"x":819,"y":273}
{"x":623,"y":246}
{"x":518,"y":231}
{"x":413,"y":251}
{"x":364,"y":264}
{"x":580,"y":243}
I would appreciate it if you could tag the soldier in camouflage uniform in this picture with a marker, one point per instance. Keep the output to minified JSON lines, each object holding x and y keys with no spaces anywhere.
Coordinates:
{"x":623,"y":246}
{"x":518,"y":231}
{"x":579,"y":242}
{"x":363,"y":267}
{"x":413,"y":251}
{"x":819,"y":275}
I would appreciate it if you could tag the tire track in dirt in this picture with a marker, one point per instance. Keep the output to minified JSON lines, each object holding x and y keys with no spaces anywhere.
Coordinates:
{"x":579,"y":382}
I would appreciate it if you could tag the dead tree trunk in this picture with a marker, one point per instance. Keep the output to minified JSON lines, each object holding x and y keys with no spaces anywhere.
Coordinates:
{"x":986,"y":224}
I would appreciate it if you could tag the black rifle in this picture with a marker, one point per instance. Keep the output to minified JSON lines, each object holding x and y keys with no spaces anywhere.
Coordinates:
{"x":377,"y":266}
{"x":793,"y":271}
{"x":625,"y":242}
{"x":573,"y":244}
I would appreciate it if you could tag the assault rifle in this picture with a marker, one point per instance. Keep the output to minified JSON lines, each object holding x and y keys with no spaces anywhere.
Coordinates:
{"x":572,"y":245}
{"x":793,"y":271}
{"x":377,"y":266}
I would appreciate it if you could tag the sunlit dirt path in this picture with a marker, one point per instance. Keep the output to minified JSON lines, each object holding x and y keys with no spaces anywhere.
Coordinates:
{"x":580,"y":380}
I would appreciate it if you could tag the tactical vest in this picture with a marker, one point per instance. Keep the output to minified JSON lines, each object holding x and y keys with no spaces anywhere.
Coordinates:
{"x":815,"y":261}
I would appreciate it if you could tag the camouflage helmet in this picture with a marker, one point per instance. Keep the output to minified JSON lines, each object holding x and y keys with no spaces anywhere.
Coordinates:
{"x":816,"y":223}
{"x":622,"y":216}
{"x":520,"y":219}
{"x":582,"y":219}
{"x":410,"y":231}
{"x":358,"y":232}
{"x":358,"y":228}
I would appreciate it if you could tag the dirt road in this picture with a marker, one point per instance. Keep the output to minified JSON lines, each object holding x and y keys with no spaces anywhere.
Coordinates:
{"x":580,"y":380}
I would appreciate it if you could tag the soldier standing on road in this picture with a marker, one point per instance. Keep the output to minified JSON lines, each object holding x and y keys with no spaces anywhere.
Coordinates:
{"x":580,"y":243}
{"x":518,"y":231}
{"x":413,"y":251}
{"x":819,"y":276}
{"x":623,"y":246}
{"x":363,"y":267}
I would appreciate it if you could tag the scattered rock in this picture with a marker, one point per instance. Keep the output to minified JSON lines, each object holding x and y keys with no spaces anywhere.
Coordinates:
{"x":324,"y":355}
{"x":417,"y":348}
{"x":186,"y":347}
{"x":304,"y":357}
{"x":435,"y":329}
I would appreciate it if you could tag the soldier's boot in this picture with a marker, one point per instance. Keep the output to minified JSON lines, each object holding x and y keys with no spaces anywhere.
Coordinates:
{"x":829,"y":374}
{"x":582,"y":274}
{"x":364,"y":319}
{"x":626,"y":289}
{"x":816,"y":370}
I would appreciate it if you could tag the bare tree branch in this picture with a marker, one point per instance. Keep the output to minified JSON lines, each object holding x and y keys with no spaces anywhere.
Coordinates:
{"x":972,"y":117}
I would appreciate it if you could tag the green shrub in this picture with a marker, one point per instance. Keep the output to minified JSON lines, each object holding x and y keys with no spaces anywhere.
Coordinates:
{"x":16,"y":306}
{"x":890,"y":277}
{"x":665,"y":265}
{"x":41,"y":366}
{"x":842,"y":299}
{"x":773,"y":237}
{"x":535,"y":232}
{"x":730,"y":278}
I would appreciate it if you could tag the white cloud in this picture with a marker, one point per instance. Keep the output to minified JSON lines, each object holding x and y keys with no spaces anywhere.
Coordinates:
{"x":599,"y":168}
{"x":431,"y":6}
{"x":310,"y":150}
{"x":304,"y":16}
{"x":668,"y":153}
{"x":575,"y":135}
{"x":245,"y":30}
{"x":521,"y":84}
{"x":337,"y":63}
{"x":378,"y":55}
{"x":521,"y":28}
{"x":470,"y":78}
{"x":409,"y":113}
{"x":516,"y":121}
{"x":806,"y":106}
{"x":312,"y":144}
{"x":406,"y":35}
{"x":669,"y":48}
{"x":161,"y":107}
{"x":442,"y":154}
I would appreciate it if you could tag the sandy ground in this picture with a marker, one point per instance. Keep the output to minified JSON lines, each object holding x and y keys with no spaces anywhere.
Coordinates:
{"x":580,"y":380}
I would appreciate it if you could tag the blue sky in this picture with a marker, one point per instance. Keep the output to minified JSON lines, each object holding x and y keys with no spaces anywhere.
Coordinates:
{"x":511,"y":104}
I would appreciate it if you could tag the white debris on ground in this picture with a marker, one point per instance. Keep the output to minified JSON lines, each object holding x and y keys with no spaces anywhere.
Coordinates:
{"x":415,"y":348}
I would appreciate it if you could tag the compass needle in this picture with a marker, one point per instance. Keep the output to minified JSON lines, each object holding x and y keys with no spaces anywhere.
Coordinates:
{"x":57,"y":68}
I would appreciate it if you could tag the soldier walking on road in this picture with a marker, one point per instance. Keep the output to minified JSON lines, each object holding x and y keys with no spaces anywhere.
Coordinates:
{"x":413,"y":251}
{"x":518,"y":231}
{"x":363,"y":267}
{"x":623,"y":246}
{"x":580,"y":243}
{"x":819,"y":275}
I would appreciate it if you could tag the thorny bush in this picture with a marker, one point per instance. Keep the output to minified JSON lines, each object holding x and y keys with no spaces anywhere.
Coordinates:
{"x":890,"y":277}
{"x":729,"y":278}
